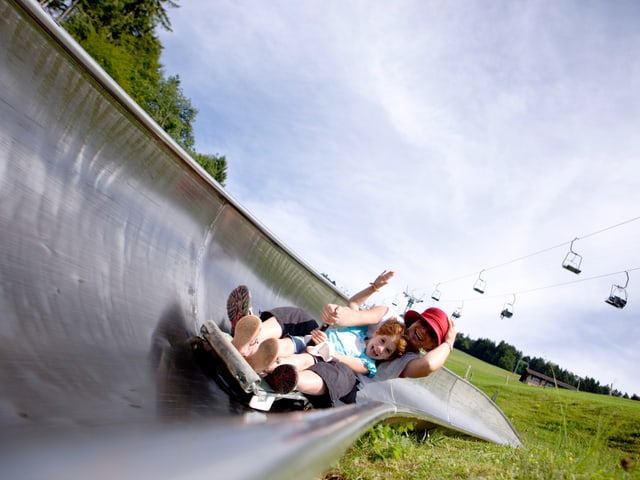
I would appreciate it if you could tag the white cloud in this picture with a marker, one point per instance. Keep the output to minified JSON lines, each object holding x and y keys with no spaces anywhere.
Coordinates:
{"x":437,"y":139}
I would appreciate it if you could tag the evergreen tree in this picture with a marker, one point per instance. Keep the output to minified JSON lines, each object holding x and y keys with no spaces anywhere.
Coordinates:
{"x":506,"y":356}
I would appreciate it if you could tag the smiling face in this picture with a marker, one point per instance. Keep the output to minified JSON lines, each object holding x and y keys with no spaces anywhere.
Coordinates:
{"x":381,"y":347}
{"x":421,"y":336}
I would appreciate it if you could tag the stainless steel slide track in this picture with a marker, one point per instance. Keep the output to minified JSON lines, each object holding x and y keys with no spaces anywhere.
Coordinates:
{"x":115,"y":247}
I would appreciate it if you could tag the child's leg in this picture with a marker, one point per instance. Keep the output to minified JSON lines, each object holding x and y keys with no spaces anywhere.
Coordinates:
{"x":291,"y":320}
{"x":270,"y":329}
{"x":310,"y":383}
{"x":285,"y":379}
{"x":301,"y":361}
{"x":286,"y":347}
{"x":250,"y":332}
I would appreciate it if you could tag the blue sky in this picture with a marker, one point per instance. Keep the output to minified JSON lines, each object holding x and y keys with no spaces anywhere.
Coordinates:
{"x":439,"y":139}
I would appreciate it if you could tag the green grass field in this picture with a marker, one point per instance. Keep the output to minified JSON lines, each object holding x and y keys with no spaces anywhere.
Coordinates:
{"x":566,"y":435}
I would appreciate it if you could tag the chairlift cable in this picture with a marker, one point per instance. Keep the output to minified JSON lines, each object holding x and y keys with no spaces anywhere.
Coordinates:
{"x":520,"y":292}
{"x":541,"y":251}
{"x":609,"y":228}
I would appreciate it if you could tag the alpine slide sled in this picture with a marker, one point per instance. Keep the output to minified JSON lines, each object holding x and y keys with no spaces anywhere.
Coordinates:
{"x":116,"y":250}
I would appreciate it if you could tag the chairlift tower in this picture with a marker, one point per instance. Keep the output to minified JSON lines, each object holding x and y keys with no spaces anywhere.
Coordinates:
{"x":411,"y":299}
{"x":520,"y":362}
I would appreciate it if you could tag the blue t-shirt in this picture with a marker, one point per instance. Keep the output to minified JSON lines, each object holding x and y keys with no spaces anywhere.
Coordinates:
{"x":350,"y":341}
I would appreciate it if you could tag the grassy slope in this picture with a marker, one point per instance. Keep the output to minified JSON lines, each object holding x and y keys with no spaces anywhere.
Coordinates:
{"x":567,"y":434}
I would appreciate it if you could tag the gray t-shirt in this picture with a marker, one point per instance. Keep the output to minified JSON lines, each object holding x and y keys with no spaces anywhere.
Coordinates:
{"x":393,"y":368}
{"x":390,"y":369}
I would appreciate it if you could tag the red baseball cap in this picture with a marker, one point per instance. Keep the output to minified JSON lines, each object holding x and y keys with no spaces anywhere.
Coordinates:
{"x":434,"y":317}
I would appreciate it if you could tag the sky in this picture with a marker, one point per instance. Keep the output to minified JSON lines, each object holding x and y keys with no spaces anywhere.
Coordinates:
{"x":446,"y":141}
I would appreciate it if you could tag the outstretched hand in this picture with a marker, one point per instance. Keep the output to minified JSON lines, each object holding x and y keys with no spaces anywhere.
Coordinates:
{"x":383,"y":279}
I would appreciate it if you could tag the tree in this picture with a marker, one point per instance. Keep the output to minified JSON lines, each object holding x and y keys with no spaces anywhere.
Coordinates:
{"x":506,"y":356}
{"x":325,"y":275}
{"x":463,"y":343}
{"x":120,"y":35}
{"x":135,"y":17}
{"x":172,"y":111}
{"x":216,"y":166}
{"x":483,"y":349}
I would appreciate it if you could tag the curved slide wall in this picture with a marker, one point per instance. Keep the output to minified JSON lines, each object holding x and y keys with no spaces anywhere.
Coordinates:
{"x":111,"y":235}
{"x":114,"y":244}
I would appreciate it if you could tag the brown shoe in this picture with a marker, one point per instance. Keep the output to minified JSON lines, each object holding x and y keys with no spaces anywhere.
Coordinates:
{"x":283,"y":379}
{"x":246,"y":334}
{"x":238,"y":305}
{"x":265,"y":356}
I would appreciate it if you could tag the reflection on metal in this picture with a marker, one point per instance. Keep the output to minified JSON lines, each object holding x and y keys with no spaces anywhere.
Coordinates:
{"x":618,"y":296}
{"x":445,"y":399}
{"x":115,"y":249}
{"x":572,"y":260}
{"x":250,"y":446}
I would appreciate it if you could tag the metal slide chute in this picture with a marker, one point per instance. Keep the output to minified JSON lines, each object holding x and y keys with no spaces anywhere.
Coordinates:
{"x":116,"y":248}
{"x":454,"y":404}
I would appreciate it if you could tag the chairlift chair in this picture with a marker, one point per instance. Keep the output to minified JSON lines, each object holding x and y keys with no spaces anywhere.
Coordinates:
{"x":572,"y":260}
{"x":457,"y":313}
{"x":507,"y":309}
{"x":618,"y":296}
{"x":480,"y":284}
{"x":436,"y":294}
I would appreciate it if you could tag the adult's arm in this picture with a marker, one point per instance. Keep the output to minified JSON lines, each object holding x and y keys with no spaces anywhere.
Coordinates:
{"x":351,"y":315}
{"x":346,"y":317}
{"x":433,"y":359}
{"x":427,"y":363}
{"x":358,"y":299}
